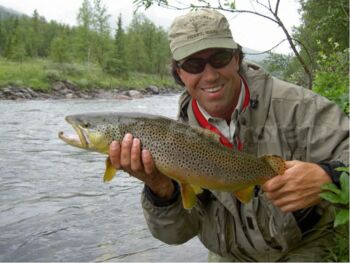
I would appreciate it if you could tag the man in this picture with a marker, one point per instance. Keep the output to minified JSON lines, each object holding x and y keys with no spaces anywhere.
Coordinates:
{"x":286,"y":220}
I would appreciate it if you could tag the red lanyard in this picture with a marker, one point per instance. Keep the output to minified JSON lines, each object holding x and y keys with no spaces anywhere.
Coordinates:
{"x":206,"y":125}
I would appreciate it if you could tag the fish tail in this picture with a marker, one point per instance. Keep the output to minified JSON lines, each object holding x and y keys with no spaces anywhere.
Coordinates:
{"x":275,"y":162}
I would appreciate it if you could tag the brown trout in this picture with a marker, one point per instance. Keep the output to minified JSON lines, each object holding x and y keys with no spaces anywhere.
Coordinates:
{"x":192,"y":156}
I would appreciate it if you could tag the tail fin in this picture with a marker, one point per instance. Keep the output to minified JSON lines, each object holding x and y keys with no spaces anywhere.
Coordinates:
{"x":276,"y":163}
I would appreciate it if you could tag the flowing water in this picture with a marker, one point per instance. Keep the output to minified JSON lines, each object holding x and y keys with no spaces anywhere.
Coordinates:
{"x":53,"y":203}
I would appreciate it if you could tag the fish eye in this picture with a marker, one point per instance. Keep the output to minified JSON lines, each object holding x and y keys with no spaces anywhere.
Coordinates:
{"x":86,"y":124}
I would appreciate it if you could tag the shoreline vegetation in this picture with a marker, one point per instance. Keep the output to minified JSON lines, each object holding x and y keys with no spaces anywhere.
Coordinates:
{"x":43,"y":79}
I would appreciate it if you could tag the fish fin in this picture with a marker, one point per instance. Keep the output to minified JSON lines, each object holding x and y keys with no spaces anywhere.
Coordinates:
{"x":207,"y":133}
{"x":197,"y":189}
{"x":110,"y":171}
{"x":245,"y":195}
{"x":188,"y":196}
{"x":276,"y":163}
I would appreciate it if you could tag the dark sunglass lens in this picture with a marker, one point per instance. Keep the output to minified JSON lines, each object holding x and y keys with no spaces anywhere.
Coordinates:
{"x":193,"y":65}
{"x":221,"y":59}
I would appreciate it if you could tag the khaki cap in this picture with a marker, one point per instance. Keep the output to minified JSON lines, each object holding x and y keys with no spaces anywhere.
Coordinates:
{"x":199,"y":30}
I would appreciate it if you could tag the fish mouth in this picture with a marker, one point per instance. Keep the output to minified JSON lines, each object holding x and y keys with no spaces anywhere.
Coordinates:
{"x":81,"y":141}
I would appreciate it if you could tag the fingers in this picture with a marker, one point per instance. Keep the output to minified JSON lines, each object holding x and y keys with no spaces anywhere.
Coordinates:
{"x":135,"y":156}
{"x":297,"y":188}
{"x":147,"y":162}
{"x":129,"y":156}
{"x":273,"y":184}
{"x":125,"y":155}
{"x":114,"y":154}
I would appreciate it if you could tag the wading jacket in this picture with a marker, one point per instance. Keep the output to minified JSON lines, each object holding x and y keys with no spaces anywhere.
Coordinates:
{"x":282,"y":119}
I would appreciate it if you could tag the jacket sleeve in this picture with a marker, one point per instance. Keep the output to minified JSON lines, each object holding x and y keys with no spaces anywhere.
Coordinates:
{"x":329,"y":132}
{"x":170,"y":223}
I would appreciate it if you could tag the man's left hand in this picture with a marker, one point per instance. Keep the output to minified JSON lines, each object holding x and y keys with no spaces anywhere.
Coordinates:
{"x":299,"y":187}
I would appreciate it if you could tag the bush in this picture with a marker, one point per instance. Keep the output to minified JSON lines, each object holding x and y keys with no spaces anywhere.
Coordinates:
{"x":332,"y":77}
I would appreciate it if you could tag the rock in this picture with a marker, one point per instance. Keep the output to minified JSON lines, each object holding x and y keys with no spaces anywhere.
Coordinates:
{"x":58,"y":86}
{"x":70,"y":96}
{"x":152,"y":90}
{"x":123,"y":97}
{"x":134,"y":94}
{"x":104,"y":94}
{"x":32,"y":92}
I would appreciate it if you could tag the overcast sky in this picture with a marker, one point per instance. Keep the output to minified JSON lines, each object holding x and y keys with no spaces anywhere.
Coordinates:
{"x":248,"y":30}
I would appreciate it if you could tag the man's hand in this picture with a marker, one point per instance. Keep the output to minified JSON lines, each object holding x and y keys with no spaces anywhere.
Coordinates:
{"x":298,"y":187}
{"x":128,"y":156}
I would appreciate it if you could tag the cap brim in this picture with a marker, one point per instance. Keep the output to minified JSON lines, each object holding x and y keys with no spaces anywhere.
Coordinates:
{"x":185,"y":51}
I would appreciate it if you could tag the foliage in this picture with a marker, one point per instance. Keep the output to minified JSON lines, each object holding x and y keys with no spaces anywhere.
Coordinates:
{"x":340,"y":198}
{"x":279,"y":65}
{"x":331,"y":79}
{"x":59,"y":49}
{"x":39,"y":74}
{"x":142,"y":47}
{"x":321,"y":20}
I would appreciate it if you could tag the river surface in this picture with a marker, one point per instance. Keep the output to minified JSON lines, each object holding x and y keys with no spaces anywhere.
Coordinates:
{"x":53,"y":203}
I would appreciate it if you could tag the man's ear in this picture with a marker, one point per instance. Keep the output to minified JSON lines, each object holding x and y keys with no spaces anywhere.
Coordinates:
{"x":178,"y":71}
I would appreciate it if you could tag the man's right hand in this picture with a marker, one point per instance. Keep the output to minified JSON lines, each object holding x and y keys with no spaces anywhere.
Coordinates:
{"x":129,"y":157}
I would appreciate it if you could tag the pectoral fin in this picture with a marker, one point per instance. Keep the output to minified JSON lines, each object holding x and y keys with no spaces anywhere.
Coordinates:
{"x":109,"y":172}
{"x":245,"y":195}
{"x":188,"y":196}
{"x":197,"y":189}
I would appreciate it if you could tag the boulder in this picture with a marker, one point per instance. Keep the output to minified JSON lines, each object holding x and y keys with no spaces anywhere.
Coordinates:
{"x":135,"y":94}
{"x":151,"y":89}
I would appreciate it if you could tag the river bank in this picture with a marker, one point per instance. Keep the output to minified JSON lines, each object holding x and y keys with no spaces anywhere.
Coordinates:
{"x":68,"y":90}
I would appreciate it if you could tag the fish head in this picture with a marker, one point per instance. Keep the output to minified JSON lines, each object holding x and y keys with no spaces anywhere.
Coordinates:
{"x":95,"y":132}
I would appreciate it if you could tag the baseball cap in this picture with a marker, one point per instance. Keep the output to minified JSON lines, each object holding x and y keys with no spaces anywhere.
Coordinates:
{"x":199,"y":30}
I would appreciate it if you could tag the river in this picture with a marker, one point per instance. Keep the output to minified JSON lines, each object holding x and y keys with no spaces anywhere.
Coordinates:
{"x":54,"y":205}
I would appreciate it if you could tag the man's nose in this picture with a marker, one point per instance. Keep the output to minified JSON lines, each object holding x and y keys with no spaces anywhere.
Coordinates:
{"x":210,"y":74}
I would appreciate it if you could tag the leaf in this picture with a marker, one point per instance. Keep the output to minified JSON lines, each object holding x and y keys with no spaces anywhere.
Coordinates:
{"x":331,"y":197}
{"x":343,"y":169}
{"x":331,"y":187}
{"x":342,"y":217}
{"x":344,"y":183}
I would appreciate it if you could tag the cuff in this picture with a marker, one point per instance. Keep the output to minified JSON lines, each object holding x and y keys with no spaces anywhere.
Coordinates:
{"x":160,"y":202}
{"x":330,"y":169}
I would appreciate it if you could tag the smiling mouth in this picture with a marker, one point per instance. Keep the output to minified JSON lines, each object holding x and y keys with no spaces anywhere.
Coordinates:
{"x":213,"y":89}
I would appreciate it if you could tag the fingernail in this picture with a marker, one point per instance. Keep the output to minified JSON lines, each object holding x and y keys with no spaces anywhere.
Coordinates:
{"x":136,"y":141}
{"x":128,"y":136}
{"x":114,"y":145}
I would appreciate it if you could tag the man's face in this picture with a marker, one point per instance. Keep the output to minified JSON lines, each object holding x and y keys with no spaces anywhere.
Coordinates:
{"x":216,"y":89}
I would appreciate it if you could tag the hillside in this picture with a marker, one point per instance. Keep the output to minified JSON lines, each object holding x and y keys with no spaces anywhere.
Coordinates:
{"x":6,"y":12}
{"x":254,"y":55}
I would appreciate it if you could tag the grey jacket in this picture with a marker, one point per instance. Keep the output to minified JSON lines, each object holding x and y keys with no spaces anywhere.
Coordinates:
{"x":285,"y":120}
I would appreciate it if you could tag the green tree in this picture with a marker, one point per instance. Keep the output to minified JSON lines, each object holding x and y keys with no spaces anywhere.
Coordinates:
{"x":116,"y":63}
{"x":15,"y":47}
{"x":147,"y":46}
{"x":322,"y":20}
{"x":59,"y":50}
{"x":84,"y":35}
{"x":331,"y":78}
{"x":101,"y":28}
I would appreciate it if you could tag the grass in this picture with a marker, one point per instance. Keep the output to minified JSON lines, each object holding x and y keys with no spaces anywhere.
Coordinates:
{"x":39,"y":74}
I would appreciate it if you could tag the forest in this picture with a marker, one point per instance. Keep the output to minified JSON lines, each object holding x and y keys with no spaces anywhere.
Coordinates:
{"x":93,"y":54}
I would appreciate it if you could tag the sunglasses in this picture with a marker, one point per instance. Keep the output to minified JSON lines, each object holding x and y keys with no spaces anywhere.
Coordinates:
{"x":197,"y":65}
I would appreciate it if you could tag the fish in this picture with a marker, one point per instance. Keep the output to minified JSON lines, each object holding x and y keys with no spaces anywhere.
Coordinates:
{"x":192,"y":156}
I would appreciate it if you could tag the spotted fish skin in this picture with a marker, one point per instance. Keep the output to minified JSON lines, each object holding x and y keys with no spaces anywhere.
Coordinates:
{"x":191,"y":156}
